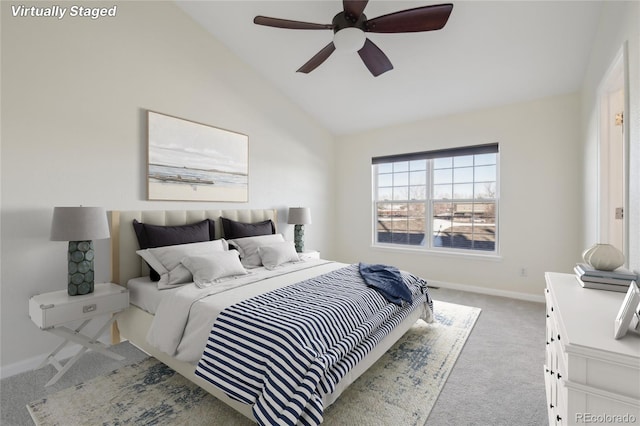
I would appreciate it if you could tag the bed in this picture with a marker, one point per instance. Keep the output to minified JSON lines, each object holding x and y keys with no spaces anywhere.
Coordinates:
{"x":137,"y":322}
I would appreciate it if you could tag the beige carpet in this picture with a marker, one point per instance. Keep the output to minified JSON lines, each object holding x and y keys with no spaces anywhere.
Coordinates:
{"x":399,"y":389}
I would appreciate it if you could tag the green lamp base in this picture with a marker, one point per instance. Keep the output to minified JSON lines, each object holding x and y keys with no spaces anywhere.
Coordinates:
{"x":298,"y":237}
{"x":80,"y":259}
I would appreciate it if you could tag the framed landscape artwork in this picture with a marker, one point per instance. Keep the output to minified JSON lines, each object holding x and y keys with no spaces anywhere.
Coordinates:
{"x":190,"y":161}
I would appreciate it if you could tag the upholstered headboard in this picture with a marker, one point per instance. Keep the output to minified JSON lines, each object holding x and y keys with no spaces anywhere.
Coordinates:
{"x":126,"y":264}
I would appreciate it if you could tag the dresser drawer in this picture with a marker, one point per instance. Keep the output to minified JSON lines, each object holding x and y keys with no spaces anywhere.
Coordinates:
{"x":56,"y":308}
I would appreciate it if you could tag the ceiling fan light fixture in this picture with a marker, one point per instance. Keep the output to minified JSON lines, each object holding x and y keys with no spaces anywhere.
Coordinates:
{"x":349,"y":39}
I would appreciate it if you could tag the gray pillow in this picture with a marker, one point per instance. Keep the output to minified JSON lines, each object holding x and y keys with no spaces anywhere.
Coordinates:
{"x":248,"y":248}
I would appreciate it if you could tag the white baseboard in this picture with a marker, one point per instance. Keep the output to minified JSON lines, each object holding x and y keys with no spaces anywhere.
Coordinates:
{"x":32,"y":363}
{"x":489,"y":291}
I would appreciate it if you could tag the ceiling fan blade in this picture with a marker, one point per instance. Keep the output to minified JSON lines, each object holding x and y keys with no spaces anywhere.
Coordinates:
{"x":375,"y":60}
{"x":427,"y":18}
{"x":354,"y":8}
{"x":318,"y":59}
{"x":293,"y":25}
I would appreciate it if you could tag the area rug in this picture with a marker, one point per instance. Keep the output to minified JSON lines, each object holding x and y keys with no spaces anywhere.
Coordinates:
{"x":399,"y":389}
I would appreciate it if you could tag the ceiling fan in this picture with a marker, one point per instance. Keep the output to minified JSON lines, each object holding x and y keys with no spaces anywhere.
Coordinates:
{"x":351,"y":24}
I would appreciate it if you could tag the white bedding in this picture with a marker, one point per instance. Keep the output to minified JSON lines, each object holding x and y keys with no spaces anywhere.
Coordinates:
{"x":144,"y":294}
{"x":184,"y":316}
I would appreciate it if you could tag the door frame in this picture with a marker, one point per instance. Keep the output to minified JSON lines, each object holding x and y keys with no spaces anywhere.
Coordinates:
{"x":615,"y":79}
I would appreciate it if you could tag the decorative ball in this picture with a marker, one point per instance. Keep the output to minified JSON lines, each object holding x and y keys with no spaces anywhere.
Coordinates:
{"x":603,"y":257}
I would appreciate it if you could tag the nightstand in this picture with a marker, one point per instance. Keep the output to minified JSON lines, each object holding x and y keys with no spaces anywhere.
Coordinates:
{"x":50,"y":311}
{"x":309,"y":254}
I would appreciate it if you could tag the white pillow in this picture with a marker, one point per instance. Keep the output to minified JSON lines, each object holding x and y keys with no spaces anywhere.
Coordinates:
{"x":166,"y":260}
{"x":248,"y":248}
{"x":209,"y":269}
{"x":275,"y":255}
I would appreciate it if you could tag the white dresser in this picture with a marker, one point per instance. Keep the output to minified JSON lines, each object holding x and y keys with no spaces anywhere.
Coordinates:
{"x":590,"y":377}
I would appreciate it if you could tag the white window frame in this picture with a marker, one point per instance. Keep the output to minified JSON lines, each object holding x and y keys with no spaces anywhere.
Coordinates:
{"x":430,"y":201}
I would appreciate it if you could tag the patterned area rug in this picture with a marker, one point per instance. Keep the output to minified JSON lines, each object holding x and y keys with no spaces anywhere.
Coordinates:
{"x":399,"y":389}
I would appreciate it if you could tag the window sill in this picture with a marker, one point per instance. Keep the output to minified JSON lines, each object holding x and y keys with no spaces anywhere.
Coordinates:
{"x":458,"y":254}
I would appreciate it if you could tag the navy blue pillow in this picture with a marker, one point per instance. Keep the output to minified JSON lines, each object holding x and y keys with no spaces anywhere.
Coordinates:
{"x":233,"y":229}
{"x":387,"y":280}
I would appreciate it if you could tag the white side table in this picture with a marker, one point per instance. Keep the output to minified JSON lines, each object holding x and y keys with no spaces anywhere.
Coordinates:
{"x":50,"y":311}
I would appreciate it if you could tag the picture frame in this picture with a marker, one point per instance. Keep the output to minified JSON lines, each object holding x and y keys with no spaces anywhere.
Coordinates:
{"x":191,"y":161}
{"x":627,"y":311}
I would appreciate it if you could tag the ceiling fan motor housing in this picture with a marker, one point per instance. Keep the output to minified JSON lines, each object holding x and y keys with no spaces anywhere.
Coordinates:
{"x":342,"y":20}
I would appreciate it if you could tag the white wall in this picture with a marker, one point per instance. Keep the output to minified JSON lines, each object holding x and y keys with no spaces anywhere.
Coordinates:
{"x":540,"y":198}
{"x":618,"y":24}
{"x":74,"y":95}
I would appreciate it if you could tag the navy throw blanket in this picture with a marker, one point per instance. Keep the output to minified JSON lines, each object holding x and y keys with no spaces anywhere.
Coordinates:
{"x":387,"y":280}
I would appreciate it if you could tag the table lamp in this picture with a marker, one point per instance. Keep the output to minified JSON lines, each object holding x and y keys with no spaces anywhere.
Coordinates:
{"x":79,"y":226}
{"x":299,"y":216}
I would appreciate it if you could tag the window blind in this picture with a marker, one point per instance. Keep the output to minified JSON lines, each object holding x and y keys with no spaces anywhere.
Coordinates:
{"x":489,"y":148}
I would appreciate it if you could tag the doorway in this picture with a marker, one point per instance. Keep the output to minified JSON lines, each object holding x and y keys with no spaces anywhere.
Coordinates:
{"x":613,"y":154}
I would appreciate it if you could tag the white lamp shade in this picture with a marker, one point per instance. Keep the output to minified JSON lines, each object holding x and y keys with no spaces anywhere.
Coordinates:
{"x":299,"y":216}
{"x":79,"y":224}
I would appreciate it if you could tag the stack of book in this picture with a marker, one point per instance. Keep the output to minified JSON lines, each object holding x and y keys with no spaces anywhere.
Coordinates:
{"x":618,"y":280}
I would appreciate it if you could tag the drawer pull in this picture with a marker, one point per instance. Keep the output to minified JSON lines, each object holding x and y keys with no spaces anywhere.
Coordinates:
{"x":552,"y":309}
{"x":558,"y":417}
{"x":550,"y":405}
{"x":552,"y":373}
{"x":552,"y":339}
{"x":559,"y":376}
{"x":548,"y":316}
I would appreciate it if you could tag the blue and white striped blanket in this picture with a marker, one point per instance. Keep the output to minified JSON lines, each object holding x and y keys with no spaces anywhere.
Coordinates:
{"x":283,"y":350}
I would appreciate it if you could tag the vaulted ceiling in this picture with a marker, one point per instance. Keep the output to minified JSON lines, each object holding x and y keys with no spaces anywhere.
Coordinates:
{"x":490,"y":53}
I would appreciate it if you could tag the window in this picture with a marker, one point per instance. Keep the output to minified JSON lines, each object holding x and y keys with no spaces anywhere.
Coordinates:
{"x":441,"y":200}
